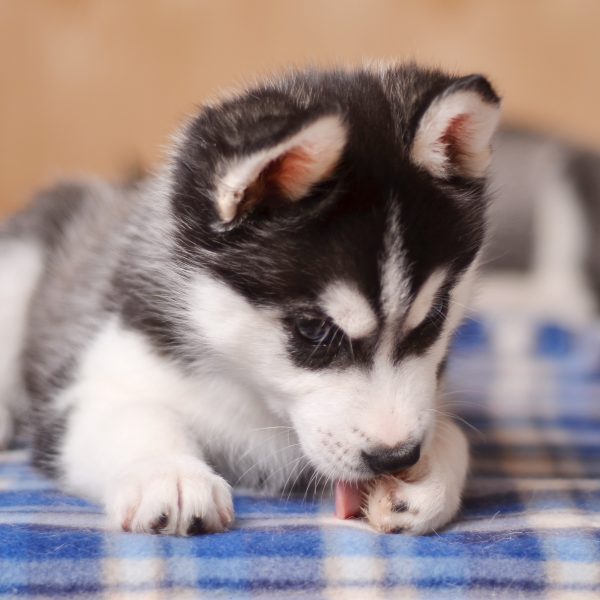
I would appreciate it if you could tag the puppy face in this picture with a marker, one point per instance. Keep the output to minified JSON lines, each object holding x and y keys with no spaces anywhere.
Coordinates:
{"x":330,"y":224}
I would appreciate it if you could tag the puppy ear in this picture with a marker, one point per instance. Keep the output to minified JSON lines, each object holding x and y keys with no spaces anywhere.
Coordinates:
{"x":453,"y":135}
{"x":287,"y":170}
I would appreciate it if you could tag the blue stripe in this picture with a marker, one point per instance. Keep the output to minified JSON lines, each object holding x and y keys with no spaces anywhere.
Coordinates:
{"x":34,"y":542}
{"x":294,"y":559}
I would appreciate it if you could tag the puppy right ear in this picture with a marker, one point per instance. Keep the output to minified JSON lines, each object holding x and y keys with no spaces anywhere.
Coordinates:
{"x":288,"y":170}
{"x":454,"y":133}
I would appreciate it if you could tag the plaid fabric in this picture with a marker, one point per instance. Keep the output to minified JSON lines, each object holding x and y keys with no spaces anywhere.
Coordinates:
{"x":530,"y":526}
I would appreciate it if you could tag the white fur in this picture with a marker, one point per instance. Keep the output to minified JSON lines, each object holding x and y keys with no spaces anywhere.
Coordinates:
{"x":394,"y":288}
{"x":349,"y":309}
{"x":20,"y":267}
{"x":459,"y":299}
{"x":425,"y":297}
{"x":429,"y":150}
{"x":137,"y":428}
{"x":323,"y":142}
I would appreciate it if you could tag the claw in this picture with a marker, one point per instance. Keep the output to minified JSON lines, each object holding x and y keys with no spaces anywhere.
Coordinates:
{"x":160,"y":523}
{"x":196,"y":526}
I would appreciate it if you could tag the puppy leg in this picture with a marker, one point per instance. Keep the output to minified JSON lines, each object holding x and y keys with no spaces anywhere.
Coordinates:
{"x":128,"y":440}
{"x":140,"y":462}
{"x":427,"y":496}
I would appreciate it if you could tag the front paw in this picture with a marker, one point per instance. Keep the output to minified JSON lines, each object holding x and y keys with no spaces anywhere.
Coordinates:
{"x":409,"y":505}
{"x":426,"y":496}
{"x":178,"y":495}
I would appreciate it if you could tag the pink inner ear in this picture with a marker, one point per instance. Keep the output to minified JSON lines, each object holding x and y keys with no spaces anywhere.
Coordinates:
{"x":294,"y":172}
{"x":454,"y":138}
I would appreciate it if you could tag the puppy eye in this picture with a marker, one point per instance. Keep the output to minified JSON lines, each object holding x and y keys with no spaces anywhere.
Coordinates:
{"x":316,"y":330}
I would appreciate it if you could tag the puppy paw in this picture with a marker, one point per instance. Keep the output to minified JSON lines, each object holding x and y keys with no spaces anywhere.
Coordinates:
{"x":177,"y":496}
{"x":394,"y":505}
{"x":426,"y":496}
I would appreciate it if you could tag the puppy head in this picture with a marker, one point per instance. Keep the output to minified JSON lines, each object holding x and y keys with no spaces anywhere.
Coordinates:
{"x":331,"y":224}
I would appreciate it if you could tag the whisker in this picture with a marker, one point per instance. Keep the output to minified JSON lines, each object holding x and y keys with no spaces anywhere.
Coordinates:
{"x":313,"y":477}
{"x":257,"y":464}
{"x":292,"y":470}
{"x":274,"y":427}
{"x":262,"y":443}
{"x":457,"y":418}
{"x":296,"y":479}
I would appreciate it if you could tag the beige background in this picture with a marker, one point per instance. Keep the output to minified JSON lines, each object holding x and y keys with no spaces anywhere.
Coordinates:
{"x":96,"y":86}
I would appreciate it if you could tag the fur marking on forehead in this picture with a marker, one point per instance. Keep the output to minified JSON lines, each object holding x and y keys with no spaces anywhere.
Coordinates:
{"x":394,"y":287}
{"x":425,"y":298}
{"x":349,"y":309}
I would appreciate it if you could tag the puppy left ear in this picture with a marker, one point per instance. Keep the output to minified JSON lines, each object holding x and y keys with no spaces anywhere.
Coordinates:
{"x":286,"y":171}
{"x":454,"y":133}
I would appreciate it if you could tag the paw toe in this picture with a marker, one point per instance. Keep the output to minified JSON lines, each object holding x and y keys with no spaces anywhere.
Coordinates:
{"x":181,"y":497}
{"x":160,"y":524}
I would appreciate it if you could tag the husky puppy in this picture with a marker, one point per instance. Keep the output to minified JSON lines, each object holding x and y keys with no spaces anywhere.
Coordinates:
{"x":274,"y":307}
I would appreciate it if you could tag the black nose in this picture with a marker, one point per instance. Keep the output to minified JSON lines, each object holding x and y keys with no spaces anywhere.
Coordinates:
{"x":391,"y":460}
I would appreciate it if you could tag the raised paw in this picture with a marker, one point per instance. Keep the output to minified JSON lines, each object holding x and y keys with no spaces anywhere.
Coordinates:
{"x":426,"y":496}
{"x":394,"y":505}
{"x":177,"y":496}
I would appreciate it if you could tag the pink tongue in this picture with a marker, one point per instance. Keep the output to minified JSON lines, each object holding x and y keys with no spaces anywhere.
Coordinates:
{"x":347,"y":500}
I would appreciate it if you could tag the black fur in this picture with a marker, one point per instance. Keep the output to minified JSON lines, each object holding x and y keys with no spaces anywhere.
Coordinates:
{"x":284,"y":256}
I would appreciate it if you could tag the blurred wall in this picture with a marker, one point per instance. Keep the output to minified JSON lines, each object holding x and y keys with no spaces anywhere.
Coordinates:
{"x":96,"y":86}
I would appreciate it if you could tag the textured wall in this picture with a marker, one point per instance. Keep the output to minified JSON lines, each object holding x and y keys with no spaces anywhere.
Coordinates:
{"x":96,"y":86}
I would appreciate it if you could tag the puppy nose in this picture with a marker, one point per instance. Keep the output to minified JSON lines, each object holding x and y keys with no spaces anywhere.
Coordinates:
{"x":390,"y":460}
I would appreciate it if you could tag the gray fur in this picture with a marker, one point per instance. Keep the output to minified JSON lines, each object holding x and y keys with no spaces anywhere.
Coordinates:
{"x":91,"y":231}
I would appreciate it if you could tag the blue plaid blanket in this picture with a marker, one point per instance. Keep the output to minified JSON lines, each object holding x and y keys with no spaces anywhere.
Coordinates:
{"x":530,"y":525}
